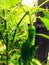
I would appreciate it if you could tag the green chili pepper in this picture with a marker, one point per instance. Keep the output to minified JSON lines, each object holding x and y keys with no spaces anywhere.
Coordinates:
{"x":28,"y":47}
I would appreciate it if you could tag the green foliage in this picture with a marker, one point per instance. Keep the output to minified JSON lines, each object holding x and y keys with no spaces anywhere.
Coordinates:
{"x":17,"y":39}
{"x":35,"y":62}
{"x":45,"y":19}
{"x":9,"y":3}
{"x":28,"y":48}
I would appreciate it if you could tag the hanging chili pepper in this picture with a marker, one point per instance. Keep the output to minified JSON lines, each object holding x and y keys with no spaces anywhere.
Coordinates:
{"x":28,"y":47}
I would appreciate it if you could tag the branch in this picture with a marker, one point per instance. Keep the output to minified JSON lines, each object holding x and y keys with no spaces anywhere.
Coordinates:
{"x":18,"y":26}
{"x":43,"y":35}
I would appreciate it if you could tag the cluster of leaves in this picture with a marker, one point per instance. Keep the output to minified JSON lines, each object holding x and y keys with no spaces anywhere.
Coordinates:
{"x":14,"y":20}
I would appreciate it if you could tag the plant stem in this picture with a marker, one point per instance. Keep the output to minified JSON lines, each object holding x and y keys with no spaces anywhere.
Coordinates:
{"x":6,"y":49}
{"x":35,"y":9}
{"x":6,"y":37}
{"x":18,"y":26}
{"x":43,"y":3}
{"x":30,"y":19}
{"x":43,"y":35}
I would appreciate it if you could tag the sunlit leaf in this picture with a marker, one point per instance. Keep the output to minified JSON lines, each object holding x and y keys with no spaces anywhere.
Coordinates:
{"x":35,"y":61}
{"x":46,"y":22}
{"x":10,"y":3}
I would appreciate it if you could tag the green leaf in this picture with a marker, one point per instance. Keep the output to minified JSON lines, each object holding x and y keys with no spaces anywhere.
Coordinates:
{"x":10,"y":3}
{"x":14,"y":59}
{"x":35,"y":62}
{"x":46,"y":22}
{"x":2,"y":61}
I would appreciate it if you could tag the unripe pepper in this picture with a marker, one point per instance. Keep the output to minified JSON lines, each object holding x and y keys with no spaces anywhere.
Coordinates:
{"x":28,"y":47}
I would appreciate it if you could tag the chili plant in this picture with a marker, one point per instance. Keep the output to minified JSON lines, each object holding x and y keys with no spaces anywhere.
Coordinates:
{"x":17,"y":32}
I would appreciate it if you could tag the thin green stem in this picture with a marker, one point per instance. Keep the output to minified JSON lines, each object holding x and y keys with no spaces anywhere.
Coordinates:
{"x":30,"y":18}
{"x":6,"y":37}
{"x":35,"y":9}
{"x":43,"y":35}
{"x":43,"y":3}
{"x":18,"y":26}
